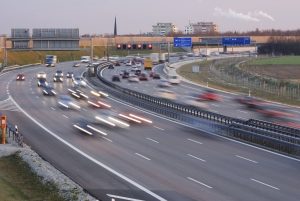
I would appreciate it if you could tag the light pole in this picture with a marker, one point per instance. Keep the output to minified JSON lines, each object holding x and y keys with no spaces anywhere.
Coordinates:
{"x":92,"y":50}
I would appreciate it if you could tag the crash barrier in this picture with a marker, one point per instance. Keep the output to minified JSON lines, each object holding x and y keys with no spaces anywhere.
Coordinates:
{"x":265,"y":134}
{"x":15,"y":67}
{"x":12,"y":134}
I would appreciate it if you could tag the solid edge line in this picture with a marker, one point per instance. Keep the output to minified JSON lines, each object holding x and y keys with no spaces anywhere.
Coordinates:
{"x":89,"y":157}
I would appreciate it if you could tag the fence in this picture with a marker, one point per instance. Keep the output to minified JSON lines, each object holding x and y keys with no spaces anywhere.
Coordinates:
{"x":233,"y":73}
{"x":261,"y":133}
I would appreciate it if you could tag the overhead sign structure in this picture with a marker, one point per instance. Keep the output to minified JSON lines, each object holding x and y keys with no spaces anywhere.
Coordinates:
{"x":235,"y":41}
{"x":183,"y":42}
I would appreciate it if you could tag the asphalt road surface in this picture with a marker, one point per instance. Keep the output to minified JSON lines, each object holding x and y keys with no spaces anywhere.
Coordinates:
{"x":162,"y":160}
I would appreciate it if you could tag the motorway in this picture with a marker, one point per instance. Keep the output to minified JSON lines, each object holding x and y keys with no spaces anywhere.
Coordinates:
{"x":227,"y":106}
{"x":164,"y":160}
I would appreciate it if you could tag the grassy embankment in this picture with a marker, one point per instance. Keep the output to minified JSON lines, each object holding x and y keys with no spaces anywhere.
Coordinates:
{"x":286,"y":67}
{"x":19,"y":183}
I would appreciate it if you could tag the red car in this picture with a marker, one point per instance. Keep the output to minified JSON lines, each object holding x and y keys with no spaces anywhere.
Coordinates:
{"x":143,"y":77}
{"x":20,"y":77}
{"x":209,"y":95}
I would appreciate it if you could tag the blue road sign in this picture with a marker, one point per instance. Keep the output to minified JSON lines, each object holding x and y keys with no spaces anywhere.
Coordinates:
{"x":235,"y":41}
{"x":182,"y":42}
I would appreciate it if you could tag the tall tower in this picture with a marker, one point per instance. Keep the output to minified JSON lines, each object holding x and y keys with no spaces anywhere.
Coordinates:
{"x":115,"y":27}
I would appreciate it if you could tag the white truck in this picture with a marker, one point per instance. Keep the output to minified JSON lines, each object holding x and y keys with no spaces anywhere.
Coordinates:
{"x":155,"y":58}
{"x":85,"y":59}
{"x":162,"y":57}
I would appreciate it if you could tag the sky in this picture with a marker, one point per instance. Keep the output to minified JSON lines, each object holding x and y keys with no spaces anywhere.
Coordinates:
{"x":138,"y":16}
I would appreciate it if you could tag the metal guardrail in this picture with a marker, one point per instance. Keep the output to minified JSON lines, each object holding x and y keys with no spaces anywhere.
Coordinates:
{"x":258,"y":132}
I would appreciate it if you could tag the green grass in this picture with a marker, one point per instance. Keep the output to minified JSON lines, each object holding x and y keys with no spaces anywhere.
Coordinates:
{"x":284,"y":60}
{"x":19,"y":183}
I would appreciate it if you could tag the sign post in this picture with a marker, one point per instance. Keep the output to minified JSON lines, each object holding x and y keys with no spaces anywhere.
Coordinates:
{"x":3,"y":127}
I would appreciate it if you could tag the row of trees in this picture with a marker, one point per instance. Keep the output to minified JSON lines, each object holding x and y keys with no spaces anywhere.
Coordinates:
{"x":280,"y":46}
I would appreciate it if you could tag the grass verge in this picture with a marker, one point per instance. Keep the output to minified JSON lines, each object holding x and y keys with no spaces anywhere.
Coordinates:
{"x":19,"y":183}
{"x":207,"y":78}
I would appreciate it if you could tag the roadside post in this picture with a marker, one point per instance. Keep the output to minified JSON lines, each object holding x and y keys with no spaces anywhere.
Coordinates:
{"x":3,"y":127}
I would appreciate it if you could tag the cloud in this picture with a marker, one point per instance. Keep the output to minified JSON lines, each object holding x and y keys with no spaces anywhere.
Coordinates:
{"x":250,"y":16}
{"x":233,"y":14}
{"x":265,"y":15}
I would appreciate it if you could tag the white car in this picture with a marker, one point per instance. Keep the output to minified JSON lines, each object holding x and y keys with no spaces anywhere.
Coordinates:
{"x":78,"y":81}
{"x":173,"y":79}
{"x":41,"y":75}
{"x":133,"y":78}
{"x":138,"y":64}
{"x":167,"y":94}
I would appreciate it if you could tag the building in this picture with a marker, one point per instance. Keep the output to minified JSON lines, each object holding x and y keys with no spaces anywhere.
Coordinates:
{"x":201,"y":27}
{"x":55,"y":39}
{"x":20,"y":38}
{"x":162,"y":29}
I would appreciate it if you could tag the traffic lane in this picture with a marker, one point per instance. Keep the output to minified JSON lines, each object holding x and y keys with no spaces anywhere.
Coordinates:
{"x":66,"y":131}
{"x":227,"y":107}
{"x":86,"y":173}
{"x":219,"y":151}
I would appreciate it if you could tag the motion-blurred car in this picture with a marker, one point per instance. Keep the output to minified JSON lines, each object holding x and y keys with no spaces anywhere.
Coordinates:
{"x":209,"y":95}
{"x":41,"y":75}
{"x":138,"y":72}
{"x":125,"y":74}
{"x":76,"y":93}
{"x":88,"y":128}
{"x":76,"y":64}
{"x":117,"y":64}
{"x":115,"y":78}
{"x":110,"y":119}
{"x":173,"y":79}
{"x":70,"y":74}
{"x":167,"y":94}
{"x":79,"y":82}
{"x":20,"y":77}
{"x":163,"y":84}
{"x":134,"y":68}
{"x":42,"y":82}
{"x":138,"y":64}
{"x":110,"y":66}
{"x":250,"y":102}
{"x":58,"y":78}
{"x":133,"y":78}
{"x":143,"y":77}
{"x":67,"y":102}
{"x":49,"y":91}
{"x":271,"y":111}
{"x":192,"y":101}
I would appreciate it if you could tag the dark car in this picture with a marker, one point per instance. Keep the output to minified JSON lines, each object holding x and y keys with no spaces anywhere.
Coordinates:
{"x":209,"y":95}
{"x":59,"y":73}
{"x":117,"y":64}
{"x":111,"y":66}
{"x":70,"y":74}
{"x":250,"y":102}
{"x":143,"y":77}
{"x":49,"y":91}
{"x":156,"y":76}
{"x":125,"y":74}
{"x":42,"y":82}
{"x":138,"y":72}
{"x":116,"y":78}
{"x":20,"y":77}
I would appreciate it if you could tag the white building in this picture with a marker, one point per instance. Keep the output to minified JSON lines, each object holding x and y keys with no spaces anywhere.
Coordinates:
{"x":162,"y":29}
{"x":201,"y":27}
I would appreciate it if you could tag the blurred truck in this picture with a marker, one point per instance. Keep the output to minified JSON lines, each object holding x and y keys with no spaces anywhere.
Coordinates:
{"x":155,"y":58}
{"x":148,"y":64}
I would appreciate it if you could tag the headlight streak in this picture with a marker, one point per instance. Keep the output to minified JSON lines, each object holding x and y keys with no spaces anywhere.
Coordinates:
{"x":105,"y":121}
{"x":129,"y":118}
{"x":84,"y":130}
{"x":141,"y":118}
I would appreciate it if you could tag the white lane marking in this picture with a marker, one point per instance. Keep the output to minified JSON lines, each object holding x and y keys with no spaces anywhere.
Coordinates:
{"x":159,"y":128}
{"x":195,"y":157}
{"x":264,"y":184}
{"x":211,"y":133}
{"x":123,"y":198}
{"x":90,"y":157}
{"x":52,"y":108}
{"x":242,"y":111}
{"x":199,"y":182}
{"x":246,"y":159}
{"x":152,"y":140}
{"x":215,"y":105}
{"x":65,"y":116}
{"x":106,"y":138}
{"x":195,"y":141}
{"x":144,"y":157}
